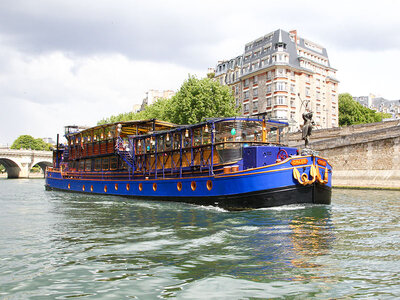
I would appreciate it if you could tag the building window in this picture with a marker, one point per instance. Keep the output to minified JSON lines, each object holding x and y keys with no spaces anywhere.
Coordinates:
{"x":255,"y":93}
{"x":246,"y":107}
{"x":269,"y":75}
{"x":292,"y":88}
{"x":246,"y":95}
{"x":307,"y":91}
{"x":269,"y":86}
{"x":246,"y":82}
{"x":280,"y":100}
{"x":292,"y":102}
{"x":280,"y":86}
{"x":269,"y":100}
{"x":255,"y":105}
{"x":255,"y":80}
{"x":236,"y":90}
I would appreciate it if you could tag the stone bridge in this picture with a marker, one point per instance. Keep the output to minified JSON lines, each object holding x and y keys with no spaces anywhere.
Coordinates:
{"x":18,"y":163}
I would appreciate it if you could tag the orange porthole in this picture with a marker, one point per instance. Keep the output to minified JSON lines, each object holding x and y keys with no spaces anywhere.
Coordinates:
{"x":91,"y":188}
{"x":128,"y":187}
{"x":116,"y":186}
{"x":83,"y":187}
{"x":193,"y":185}
{"x":209,"y":185}
{"x":69,"y":186}
{"x":154,"y":186}
{"x":140,"y":187}
{"x":179,"y":186}
{"x":105,"y":189}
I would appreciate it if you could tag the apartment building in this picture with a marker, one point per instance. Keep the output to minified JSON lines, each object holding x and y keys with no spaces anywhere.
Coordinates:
{"x":380,"y":104}
{"x":283,"y":75}
{"x":153,"y":95}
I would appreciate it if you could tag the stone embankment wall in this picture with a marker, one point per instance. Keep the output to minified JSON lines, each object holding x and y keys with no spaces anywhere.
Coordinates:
{"x":362,"y":155}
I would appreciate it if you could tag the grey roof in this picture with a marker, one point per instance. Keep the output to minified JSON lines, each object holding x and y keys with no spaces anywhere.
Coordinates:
{"x":266,"y":45}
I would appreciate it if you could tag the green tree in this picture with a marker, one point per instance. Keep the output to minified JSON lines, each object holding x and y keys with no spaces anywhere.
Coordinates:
{"x":351,"y":112}
{"x":199,"y":99}
{"x":29,"y":142}
{"x":2,"y":169}
{"x":196,"y":100}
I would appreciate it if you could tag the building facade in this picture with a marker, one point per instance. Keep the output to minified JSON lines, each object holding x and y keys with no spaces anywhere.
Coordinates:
{"x":154,"y":95}
{"x":380,"y":104}
{"x":283,"y":75}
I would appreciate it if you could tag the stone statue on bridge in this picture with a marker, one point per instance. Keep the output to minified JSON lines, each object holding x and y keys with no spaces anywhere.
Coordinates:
{"x":307,"y":127}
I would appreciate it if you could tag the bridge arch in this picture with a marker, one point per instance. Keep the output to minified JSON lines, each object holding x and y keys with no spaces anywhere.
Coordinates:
{"x":12,"y":168}
{"x":42,"y":164}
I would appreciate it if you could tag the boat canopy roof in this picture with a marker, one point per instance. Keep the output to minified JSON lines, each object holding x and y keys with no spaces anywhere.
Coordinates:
{"x":270,"y":125}
{"x":126,"y":128}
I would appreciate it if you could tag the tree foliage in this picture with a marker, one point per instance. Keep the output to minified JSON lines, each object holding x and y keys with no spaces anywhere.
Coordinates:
{"x":29,"y":142}
{"x":2,"y":168}
{"x":196,"y":100}
{"x":351,"y":112}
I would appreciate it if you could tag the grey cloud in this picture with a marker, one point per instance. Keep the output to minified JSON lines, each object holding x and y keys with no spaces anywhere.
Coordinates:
{"x":139,"y":32}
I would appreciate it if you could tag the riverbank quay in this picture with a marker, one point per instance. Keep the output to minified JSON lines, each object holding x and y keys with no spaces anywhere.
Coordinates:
{"x":363,"y":156}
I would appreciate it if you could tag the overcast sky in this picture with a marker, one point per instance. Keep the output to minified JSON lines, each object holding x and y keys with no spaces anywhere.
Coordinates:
{"x":78,"y":61}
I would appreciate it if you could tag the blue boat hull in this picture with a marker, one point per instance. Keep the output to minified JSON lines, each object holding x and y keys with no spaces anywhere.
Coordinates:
{"x":253,"y":188}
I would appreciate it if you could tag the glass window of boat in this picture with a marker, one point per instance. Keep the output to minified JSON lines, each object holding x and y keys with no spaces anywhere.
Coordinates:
{"x":160,"y":143}
{"x":85,"y":135}
{"x":81,"y":165}
{"x":197,"y":136}
{"x":147,"y":145}
{"x":152,"y":144}
{"x":206,"y":134}
{"x":250,"y":131}
{"x":140,"y":146}
{"x":96,"y":133}
{"x":97,"y":164}
{"x":105,"y":163}
{"x":108,"y":132}
{"x":114,"y":163}
{"x":177,"y":140}
{"x":187,"y":138}
{"x":168,"y":142}
{"x":88,"y":165}
{"x":90,"y":136}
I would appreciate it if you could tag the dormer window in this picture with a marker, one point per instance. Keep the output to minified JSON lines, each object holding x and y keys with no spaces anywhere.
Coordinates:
{"x":280,"y":46}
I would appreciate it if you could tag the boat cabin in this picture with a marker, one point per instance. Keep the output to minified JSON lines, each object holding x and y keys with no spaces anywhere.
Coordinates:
{"x":153,"y":148}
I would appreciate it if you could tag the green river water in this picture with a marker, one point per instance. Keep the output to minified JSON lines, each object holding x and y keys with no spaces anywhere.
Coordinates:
{"x":57,"y":245}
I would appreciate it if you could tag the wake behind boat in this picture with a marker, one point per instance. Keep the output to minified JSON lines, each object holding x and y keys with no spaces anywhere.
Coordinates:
{"x":234,"y":163}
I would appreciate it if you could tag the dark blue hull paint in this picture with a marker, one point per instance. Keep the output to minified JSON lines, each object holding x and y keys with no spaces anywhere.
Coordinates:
{"x":254,"y":188}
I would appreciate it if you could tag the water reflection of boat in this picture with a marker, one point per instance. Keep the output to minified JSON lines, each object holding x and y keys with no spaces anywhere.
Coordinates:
{"x":235,"y":163}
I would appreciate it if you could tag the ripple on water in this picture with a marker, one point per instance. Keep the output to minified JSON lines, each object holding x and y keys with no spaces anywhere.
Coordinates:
{"x":61,"y":245}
